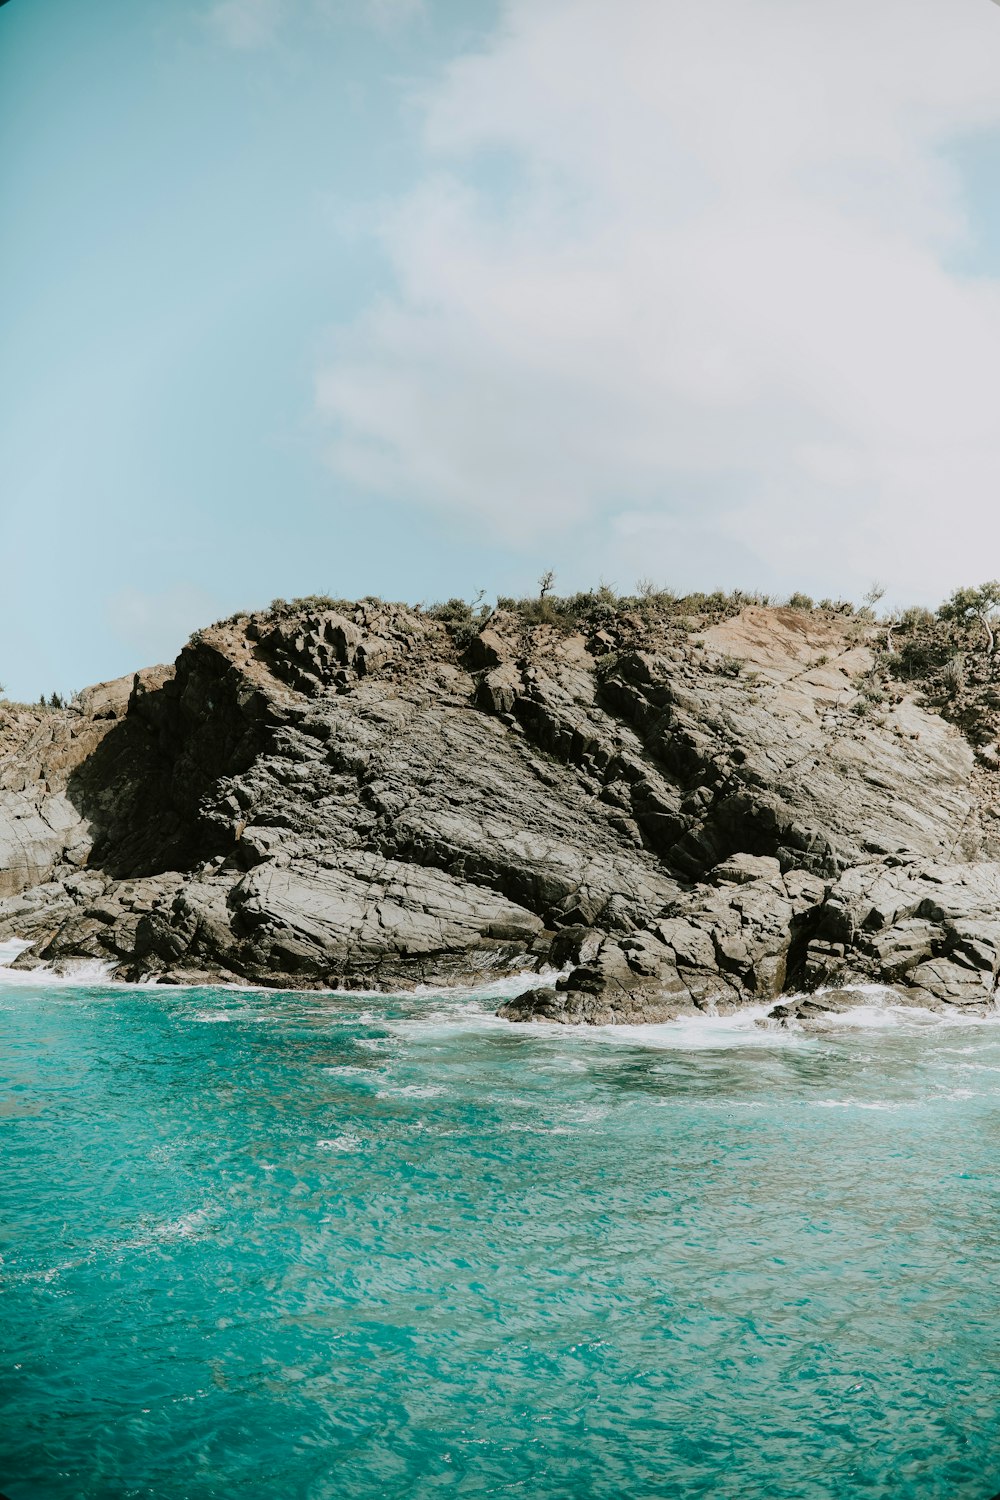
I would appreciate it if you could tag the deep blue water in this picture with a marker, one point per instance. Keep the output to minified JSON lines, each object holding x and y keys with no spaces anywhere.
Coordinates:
{"x":335,"y":1247}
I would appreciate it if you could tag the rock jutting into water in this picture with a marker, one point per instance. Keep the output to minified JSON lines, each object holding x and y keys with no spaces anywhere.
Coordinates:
{"x":672,"y":812}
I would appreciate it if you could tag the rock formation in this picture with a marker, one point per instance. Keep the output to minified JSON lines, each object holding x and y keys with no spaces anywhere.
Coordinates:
{"x":669,"y":814}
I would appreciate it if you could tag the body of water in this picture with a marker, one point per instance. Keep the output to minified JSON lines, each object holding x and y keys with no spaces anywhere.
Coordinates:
{"x":334,"y":1247}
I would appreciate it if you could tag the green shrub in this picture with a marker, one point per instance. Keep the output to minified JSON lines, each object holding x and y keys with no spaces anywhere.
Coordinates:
{"x":975,"y":606}
{"x":916,"y":618}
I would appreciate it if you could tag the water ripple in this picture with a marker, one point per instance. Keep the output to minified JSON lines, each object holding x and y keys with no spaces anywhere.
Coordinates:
{"x":341,"y":1246}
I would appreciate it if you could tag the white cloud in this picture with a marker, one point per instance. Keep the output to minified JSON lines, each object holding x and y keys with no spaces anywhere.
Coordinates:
{"x":677,"y":278}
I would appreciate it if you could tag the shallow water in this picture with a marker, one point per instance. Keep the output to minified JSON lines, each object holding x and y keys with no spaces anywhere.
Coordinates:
{"x":328,"y":1246}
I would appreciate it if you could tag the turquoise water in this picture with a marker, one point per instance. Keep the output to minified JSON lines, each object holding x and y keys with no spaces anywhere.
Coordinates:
{"x":330,"y":1246}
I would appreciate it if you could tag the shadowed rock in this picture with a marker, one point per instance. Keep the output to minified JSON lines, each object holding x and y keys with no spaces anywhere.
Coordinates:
{"x":351,"y":796}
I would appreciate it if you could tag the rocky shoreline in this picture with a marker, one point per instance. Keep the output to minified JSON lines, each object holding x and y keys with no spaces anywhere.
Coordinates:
{"x":699,"y":813}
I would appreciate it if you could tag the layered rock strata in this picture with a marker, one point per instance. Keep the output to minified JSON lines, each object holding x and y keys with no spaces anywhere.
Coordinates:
{"x":662,"y":818}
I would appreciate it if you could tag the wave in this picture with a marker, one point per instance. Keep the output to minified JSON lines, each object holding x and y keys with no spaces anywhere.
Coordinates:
{"x":879,"y":1009}
{"x":412,"y":1091}
{"x":443,"y":1010}
{"x":76,"y":973}
{"x":86,"y":972}
{"x":349,"y":1142}
{"x":10,"y":948}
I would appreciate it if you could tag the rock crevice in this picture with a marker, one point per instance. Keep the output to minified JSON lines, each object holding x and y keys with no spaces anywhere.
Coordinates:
{"x":669,"y":818}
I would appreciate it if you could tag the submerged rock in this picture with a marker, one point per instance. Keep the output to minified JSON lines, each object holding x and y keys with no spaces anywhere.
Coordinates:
{"x":352,"y":796}
{"x":825,"y":1003}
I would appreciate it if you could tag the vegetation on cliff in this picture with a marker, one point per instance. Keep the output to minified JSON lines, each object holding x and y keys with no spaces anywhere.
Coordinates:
{"x":678,"y":801}
{"x":948,"y":656}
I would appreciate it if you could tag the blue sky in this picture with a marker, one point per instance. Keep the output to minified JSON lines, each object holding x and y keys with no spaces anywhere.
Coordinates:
{"x":417,"y":298}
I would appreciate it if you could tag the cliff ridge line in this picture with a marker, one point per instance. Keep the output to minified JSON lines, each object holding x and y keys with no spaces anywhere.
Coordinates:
{"x":671,"y":811}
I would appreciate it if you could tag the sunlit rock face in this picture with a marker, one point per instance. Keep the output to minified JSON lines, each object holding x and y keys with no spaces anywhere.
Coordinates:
{"x":362,"y":795}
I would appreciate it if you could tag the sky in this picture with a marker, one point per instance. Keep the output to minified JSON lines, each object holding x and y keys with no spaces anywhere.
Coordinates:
{"x":423,"y":297}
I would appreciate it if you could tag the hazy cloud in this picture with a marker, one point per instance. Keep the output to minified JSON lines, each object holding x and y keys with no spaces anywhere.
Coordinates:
{"x":155,"y":625}
{"x":246,"y":24}
{"x":679,"y":278}
{"x":390,"y":13}
{"x":250,"y":24}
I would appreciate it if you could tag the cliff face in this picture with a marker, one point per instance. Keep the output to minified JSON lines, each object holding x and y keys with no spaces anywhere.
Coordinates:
{"x":354,"y":797}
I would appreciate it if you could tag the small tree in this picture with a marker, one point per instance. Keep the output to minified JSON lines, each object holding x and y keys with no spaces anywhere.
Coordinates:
{"x":982,"y":604}
{"x":545,"y":583}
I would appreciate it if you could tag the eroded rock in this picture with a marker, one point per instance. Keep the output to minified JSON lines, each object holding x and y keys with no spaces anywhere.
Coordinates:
{"x":349,"y":795}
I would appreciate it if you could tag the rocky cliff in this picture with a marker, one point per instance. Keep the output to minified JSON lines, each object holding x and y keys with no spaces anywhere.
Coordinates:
{"x":668,"y":812}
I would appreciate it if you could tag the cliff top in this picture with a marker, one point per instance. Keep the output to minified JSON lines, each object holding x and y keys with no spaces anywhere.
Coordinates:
{"x":673,"y":795}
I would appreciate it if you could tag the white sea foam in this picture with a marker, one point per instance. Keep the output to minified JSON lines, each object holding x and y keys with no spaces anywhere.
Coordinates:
{"x":695,"y":1033}
{"x":565,"y":1064}
{"x":81,"y":973}
{"x":586,"y":1114}
{"x":750,"y":1027}
{"x":502,"y":986}
{"x":185,"y":1227}
{"x":78,"y":972}
{"x":412,"y":1091}
{"x":936,"y":1096}
{"x":879,"y":1009}
{"x":166,"y":1231}
{"x":44,"y":1274}
{"x":10,"y":949}
{"x":348,"y":1142}
{"x":462,"y":1008}
{"x":852,"y":1103}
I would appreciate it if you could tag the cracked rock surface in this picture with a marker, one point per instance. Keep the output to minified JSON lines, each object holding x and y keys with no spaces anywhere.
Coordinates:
{"x":653,"y":820}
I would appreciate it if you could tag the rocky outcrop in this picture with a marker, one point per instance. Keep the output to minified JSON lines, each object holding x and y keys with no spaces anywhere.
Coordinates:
{"x":656,"y":816}
{"x":41,"y":828}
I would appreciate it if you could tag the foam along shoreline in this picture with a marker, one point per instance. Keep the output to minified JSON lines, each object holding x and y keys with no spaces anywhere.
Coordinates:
{"x":879,"y":1008}
{"x":676,"y":810}
{"x":84,"y":973}
{"x":11,"y":948}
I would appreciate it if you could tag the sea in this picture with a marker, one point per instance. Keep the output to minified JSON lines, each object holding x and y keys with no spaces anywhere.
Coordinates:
{"x":343,"y":1246}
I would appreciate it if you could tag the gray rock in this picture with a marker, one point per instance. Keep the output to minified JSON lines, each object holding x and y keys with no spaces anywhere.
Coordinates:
{"x":741,"y":869}
{"x":347,"y":795}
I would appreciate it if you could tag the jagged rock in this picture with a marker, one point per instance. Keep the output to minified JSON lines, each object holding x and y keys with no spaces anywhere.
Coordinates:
{"x":488,"y":650}
{"x":32,"y":840}
{"x":741,"y":869}
{"x":815,"y":1007}
{"x":719,"y":947}
{"x":819,"y":1007}
{"x":497,"y":692}
{"x":351,"y":795}
{"x":540,"y":1004}
{"x":955,"y":983}
{"x":900,"y":948}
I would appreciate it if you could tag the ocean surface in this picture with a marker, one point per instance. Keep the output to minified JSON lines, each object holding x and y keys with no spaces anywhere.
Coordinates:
{"x":328,"y":1246}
